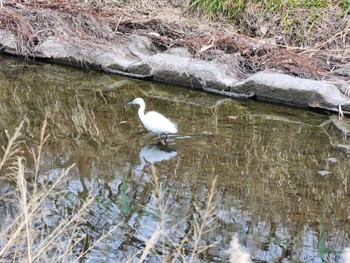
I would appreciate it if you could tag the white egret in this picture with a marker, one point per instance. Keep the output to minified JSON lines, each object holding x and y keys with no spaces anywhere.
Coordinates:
{"x":154,"y":121}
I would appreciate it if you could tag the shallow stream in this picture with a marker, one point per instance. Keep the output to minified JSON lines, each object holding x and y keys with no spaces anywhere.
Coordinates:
{"x":281,"y":186}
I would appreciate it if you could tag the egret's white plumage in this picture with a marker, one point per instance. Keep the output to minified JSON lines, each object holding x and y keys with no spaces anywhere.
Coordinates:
{"x":154,"y":121}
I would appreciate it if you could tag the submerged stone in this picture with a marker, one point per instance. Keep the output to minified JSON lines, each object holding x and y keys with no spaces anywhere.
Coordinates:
{"x":323,"y":172}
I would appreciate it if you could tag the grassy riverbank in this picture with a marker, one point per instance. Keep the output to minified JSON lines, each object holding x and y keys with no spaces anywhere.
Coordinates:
{"x":297,"y":22}
{"x":321,"y":24}
{"x":309,"y":39}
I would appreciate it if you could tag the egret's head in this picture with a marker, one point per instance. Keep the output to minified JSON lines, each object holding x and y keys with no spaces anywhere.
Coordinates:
{"x":138,"y":101}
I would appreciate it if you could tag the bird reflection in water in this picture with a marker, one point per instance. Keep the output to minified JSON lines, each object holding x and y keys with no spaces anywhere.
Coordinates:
{"x":152,"y":153}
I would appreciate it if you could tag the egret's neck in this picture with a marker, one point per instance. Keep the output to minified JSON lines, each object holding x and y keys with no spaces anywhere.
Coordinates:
{"x":141,"y":111}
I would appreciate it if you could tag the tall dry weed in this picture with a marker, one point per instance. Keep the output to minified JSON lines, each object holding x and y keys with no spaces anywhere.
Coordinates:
{"x":12,"y":149}
{"x":190,"y":246}
{"x":24,"y":237}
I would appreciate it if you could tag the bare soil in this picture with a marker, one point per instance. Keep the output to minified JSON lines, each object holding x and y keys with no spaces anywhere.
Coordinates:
{"x":168,"y":24}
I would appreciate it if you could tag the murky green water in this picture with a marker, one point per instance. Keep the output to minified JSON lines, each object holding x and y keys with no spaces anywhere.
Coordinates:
{"x":281,"y":185}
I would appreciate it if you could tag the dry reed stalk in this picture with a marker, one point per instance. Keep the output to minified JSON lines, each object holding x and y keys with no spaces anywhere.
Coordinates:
{"x":202,"y":224}
{"x":149,"y":245}
{"x":12,"y":149}
{"x":22,"y":185}
{"x":21,"y":231}
{"x":159,"y":232}
{"x":207,"y":218}
{"x":28,"y":203}
{"x":98,"y":241}
{"x":11,"y":154}
{"x":162,"y":206}
{"x":30,"y":206}
{"x":45,"y":192}
{"x":42,"y":141}
{"x":48,"y":241}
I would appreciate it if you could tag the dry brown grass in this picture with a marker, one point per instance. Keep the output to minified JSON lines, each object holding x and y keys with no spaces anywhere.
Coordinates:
{"x":190,"y":246}
{"x":21,"y":238}
{"x":294,"y":42}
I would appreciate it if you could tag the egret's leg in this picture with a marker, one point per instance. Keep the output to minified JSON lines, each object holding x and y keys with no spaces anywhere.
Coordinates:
{"x":163,"y":142}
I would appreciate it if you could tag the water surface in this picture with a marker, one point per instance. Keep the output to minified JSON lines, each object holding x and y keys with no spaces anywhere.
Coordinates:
{"x":281,"y":186}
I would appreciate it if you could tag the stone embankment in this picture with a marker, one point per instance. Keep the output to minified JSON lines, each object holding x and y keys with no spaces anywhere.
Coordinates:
{"x":137,"y":57}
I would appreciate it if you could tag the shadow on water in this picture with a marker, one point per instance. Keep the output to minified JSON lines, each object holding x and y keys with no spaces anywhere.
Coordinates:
{"x":281,"y":185}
